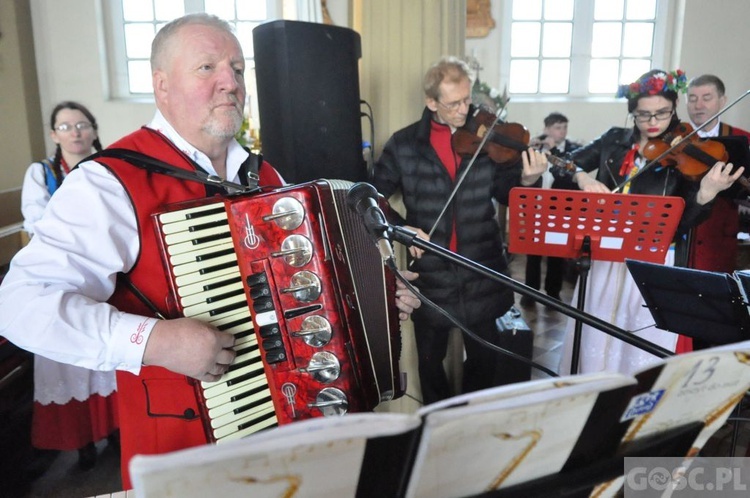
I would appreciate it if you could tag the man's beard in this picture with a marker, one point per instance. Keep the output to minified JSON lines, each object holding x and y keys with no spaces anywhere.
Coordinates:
{"x":218,"y":127}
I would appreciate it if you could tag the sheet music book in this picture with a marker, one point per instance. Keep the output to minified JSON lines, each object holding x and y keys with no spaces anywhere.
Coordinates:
{"x":307,"y":458}
{"x":485,"y":446}
{"x":370,"y":454}
{"x":702,"y":386}
{"x":473,"y":444}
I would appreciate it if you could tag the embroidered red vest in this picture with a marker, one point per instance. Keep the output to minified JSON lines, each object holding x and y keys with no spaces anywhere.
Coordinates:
{"x":714,"y":242}
{"x":158,"y":408}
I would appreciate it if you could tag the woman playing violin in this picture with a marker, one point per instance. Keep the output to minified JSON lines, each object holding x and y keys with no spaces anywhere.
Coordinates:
{"x":612,"y":294}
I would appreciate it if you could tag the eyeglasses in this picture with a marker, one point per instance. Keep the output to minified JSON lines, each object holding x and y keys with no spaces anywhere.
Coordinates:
{"x":645,"y":117}
{"x":453,"y":106}
{"x":80,"y":126}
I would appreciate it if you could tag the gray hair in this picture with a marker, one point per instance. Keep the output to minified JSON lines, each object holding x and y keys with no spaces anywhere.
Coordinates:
{"x":708,"y":79}
{"x":448,"y":68}
{"x":165,"y":34}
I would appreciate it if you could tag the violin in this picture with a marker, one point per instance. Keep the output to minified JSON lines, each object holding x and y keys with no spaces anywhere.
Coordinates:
{"x":504,"y":145}
{"x":692,"y":156}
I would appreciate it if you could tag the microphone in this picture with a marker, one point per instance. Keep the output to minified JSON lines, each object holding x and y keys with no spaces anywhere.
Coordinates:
{"x":362,"y":198}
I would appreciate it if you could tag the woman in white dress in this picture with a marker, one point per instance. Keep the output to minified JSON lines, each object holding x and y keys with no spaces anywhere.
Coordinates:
{"x":612,"y":295}
{"x":73,"y":407}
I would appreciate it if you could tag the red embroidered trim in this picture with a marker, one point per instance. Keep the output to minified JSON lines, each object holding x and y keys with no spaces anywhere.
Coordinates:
{"x":628,"y":163}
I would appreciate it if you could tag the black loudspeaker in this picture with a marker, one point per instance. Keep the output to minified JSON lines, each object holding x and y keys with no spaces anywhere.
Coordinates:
{"x":308,"y":99}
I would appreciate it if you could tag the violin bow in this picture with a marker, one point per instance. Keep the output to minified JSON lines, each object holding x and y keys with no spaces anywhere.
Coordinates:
{"x":666,"y":152}
{"x":481,"y":145}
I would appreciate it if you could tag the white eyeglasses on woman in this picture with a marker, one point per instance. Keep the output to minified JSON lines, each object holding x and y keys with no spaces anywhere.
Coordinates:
{"x":80,"y":126}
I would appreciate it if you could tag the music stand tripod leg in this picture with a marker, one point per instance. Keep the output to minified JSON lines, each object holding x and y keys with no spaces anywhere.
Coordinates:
{"x":584,"y":264}
{"x":736,"y":428}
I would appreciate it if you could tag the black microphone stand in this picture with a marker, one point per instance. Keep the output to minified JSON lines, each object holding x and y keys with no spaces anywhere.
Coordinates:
{"x":409,"y":239}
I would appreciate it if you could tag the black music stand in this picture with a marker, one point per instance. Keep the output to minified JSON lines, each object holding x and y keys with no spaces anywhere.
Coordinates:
{"x":588,"y":226}
{"x":704,"y":305}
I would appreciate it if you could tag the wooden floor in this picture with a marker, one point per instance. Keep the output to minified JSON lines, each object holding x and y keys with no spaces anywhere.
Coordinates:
{"x":63,"y":479}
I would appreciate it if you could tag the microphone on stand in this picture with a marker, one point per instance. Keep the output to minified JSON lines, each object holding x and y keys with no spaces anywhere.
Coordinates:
{"x":363,"y":199}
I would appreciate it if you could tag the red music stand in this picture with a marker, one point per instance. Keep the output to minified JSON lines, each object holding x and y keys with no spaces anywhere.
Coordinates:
{"x":588,"y":226}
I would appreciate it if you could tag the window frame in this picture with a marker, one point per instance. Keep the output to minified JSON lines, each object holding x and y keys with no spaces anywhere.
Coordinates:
{"x":583,"y":22}
{"x":115,"y":77}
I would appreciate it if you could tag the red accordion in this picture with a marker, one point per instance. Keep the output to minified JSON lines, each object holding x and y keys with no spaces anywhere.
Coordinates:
{"x":295,"y":276}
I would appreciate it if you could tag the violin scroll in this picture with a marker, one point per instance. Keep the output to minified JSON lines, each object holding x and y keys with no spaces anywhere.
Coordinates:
{"x":558,"y":162}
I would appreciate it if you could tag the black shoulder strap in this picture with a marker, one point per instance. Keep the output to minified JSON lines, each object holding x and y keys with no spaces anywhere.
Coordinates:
{"x":154,"y":165}
{"x":250,"y":169}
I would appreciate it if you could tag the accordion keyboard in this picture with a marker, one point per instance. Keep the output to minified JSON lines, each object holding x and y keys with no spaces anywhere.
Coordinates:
{"x":209,"y":288}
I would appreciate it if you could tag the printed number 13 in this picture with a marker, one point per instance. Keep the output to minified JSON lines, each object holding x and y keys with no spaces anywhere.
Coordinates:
{"x":698,"y":375}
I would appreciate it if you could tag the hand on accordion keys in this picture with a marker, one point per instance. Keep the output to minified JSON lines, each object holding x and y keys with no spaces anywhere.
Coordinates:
{"x":190,"y":347}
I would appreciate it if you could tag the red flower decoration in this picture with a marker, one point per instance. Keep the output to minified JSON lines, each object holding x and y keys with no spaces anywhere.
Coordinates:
{"x":675,"y":81}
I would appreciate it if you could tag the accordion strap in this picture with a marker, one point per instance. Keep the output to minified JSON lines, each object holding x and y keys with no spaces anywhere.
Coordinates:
{"x":124,"y":279}
{"x":154,"y":165}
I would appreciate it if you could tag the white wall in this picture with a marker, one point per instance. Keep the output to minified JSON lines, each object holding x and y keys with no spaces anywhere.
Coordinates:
{"x":70,"y":65}
{"x":339,"y":12}
{"x":714,"y":41}
{"x":21,"y":138}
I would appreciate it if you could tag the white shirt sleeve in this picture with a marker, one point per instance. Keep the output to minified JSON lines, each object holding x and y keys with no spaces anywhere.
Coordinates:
{"x":34,"y":196}
{"x":53,"y":299}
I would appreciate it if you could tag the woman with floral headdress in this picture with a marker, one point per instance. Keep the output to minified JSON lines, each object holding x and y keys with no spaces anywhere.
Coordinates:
{"x":73,"y":407}
{"x":612,"y":295}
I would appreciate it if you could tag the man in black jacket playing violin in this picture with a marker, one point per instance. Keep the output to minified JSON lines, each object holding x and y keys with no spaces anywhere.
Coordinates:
{"x":421,"y":162}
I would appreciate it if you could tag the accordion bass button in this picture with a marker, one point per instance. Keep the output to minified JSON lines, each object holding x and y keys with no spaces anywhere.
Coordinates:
{"x":315,"y":331}
{"x":288,"y":213}
{"x":297,"y":251}
{"x":331,"y":401}
{"x":323,"y":367}
{"x":304,"y":286}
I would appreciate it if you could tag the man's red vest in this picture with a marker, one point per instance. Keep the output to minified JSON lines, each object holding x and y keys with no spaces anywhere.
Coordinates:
{"x":714,"y":242}
{"x":158,"y":408}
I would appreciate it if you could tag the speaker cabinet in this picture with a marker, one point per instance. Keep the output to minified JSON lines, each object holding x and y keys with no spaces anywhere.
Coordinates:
{"x":308,"y":98}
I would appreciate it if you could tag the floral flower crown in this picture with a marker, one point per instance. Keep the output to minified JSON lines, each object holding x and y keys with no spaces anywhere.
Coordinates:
{"x":655,"y":84}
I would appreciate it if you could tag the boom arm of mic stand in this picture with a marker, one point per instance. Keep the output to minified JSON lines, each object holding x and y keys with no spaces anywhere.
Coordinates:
{"x":409,"y":238}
